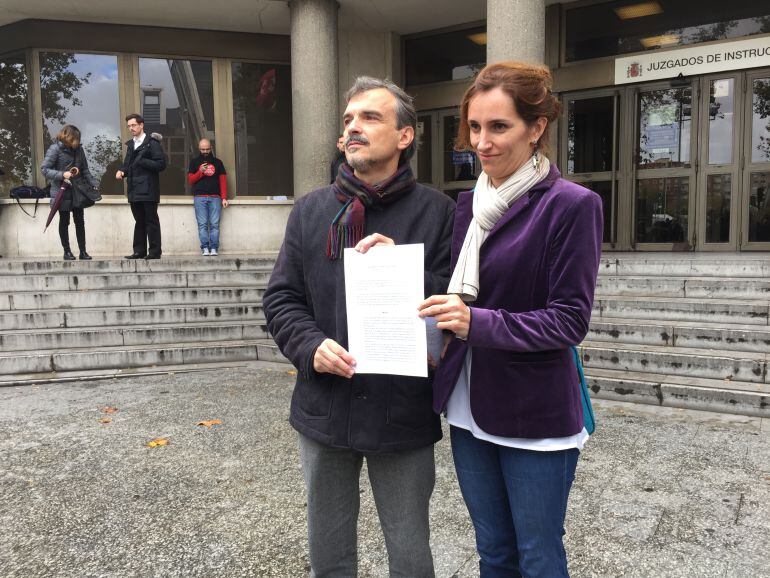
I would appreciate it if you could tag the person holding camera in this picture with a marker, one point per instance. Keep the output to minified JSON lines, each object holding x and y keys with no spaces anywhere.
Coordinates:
{"x":208,"y":179}
{"x":64,"y":160}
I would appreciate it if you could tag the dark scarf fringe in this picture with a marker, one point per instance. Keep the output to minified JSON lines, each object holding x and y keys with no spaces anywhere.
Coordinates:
{"x":348,"y":226}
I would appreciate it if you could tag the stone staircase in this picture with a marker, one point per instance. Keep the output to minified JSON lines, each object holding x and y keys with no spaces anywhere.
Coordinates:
{"x":73,"y":320}
{"x":675,"y":330}
{"x":682,"y":331}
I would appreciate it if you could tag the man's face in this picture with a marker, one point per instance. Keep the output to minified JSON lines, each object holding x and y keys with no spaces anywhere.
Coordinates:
{"x":205,"y":149}
{"x":135,"y":128}
{"x":372,"y":138}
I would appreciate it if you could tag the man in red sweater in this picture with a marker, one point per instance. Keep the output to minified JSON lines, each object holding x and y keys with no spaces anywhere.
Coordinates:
{"x":208,"y":179}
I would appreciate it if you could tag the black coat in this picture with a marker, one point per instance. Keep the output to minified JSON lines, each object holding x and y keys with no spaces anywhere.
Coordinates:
{"x":142,"y":168}
{"x":305,"y":303}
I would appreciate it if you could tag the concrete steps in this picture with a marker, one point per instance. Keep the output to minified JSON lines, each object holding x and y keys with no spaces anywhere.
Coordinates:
{"x":682,"y":331}
{"x":61,"y":320}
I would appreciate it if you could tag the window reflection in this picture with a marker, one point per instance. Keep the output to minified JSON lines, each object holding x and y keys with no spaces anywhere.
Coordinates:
{"x":665,"y":121}
{"x":15,"y":150}
{"x":603,"y":29}
{"x":718,"y":193}
{"x":590,"y":135}
{"x":424,"y":157}
{"x":446,"y":56}
{"x":82,"y":89}
{"x":760,"y":121}
{"x":759,"y":207}
{"x":721,"y":121}
{"x":263,"y":129}
{"x":177,"y":101}
{"x":458,"y":165}
{"x":604,"y":190}
{"x":662,"y":210}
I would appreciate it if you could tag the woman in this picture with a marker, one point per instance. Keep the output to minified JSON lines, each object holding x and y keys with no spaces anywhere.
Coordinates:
{"x":61,"y":157}
{"x":525,"y":255}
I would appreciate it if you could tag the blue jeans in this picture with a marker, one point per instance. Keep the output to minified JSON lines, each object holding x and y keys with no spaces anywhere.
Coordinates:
{"x":517,"y":500}
{"x":207,"y":212}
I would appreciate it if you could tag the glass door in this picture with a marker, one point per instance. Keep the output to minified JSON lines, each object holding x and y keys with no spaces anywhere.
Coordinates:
{"x":719,"y":163}
{"x":664,"y":170}
{"x":755,"y":201}
{"x":589,"y":139}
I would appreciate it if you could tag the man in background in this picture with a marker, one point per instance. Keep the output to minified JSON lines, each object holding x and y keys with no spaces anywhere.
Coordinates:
{"x":208,"y":179}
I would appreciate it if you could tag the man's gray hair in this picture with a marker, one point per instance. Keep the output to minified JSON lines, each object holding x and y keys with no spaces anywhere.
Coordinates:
{"x":406,"y":115}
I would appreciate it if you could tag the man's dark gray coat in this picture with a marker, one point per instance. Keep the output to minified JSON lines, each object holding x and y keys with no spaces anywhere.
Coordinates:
{"x":142,"y":168}
{"x":305,"y":303}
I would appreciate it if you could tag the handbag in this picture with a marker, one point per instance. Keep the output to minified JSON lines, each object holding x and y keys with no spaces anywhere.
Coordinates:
{"x":29,"y":192}
{"x":589,"y":422}
{"x":83,"y":194}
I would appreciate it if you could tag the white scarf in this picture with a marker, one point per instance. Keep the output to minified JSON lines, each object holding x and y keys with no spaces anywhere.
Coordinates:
{"x":489,"y":204}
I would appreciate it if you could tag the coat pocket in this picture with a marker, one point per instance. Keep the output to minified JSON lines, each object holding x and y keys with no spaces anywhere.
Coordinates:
{"x":410,"y":402}
{"x":314,"y":399}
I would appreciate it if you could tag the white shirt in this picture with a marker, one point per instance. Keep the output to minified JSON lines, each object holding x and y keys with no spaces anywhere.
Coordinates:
{"x":138,"y":140}
{"x":458,"y":414}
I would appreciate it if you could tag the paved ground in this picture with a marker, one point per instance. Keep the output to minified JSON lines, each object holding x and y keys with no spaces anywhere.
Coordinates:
{"x":658,"y":493}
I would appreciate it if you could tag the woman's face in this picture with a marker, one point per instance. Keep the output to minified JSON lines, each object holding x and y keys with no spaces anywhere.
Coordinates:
{"x":500,"y":137}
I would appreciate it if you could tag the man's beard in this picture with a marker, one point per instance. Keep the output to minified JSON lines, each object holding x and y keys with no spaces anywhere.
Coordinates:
{"x":360,"y":165}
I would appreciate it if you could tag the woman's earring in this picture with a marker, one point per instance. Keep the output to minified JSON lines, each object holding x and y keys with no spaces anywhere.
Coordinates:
{"x":535,"y":158}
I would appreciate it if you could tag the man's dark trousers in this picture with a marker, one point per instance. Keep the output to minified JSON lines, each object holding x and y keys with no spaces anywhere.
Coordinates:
{"x":146,"y":228}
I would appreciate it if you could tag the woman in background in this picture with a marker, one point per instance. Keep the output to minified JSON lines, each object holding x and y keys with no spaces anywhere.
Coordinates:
{"x":62,"y":156}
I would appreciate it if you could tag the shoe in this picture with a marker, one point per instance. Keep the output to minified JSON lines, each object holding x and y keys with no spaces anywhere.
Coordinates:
{"x":135,"y":256}
{"x":148,"y":257}
{"x":205,"y":252}
{"x":85,"y":256}
{"x":213,"y":253}
{"x":68,"y":256}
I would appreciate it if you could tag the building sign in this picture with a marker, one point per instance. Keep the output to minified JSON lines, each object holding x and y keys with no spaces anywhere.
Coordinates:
{"x":706,"y":59}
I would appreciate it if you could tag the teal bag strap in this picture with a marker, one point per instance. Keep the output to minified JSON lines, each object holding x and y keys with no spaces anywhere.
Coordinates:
{"x":589,"y":422}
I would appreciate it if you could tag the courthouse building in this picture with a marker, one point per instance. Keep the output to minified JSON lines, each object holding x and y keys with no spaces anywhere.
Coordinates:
{"x":666,"y":105}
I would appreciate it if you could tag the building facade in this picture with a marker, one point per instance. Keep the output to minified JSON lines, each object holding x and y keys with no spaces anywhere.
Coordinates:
{"x":666,"y":105}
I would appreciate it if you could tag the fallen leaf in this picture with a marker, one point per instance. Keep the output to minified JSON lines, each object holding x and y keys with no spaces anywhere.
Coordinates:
{"x":292,"y":372}
{"x":105,"y":420}
{"x":210,"y":422}
{"x":157,"y":442}
{"x":110,"y":409}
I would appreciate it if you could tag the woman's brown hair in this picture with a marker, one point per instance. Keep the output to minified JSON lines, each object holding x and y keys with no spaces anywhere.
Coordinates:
{"x":528,"y":86}
{"x":69,"y":135}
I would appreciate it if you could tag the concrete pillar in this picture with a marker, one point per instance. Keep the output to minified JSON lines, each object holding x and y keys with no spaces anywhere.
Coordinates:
{"x":516,"y":30}
{"x":314,"y":91}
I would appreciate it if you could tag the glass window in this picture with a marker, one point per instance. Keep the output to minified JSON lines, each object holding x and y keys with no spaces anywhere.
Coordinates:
{"x":661,"y":210}
{"x":590,"y":135}
{"x":604,"y":190}
{"x":447,"y":56}
{"x":177,"y":102}
{"x":760,"y":121}
{"x":263,"y":129}
{"x":665,"y":119}
{"x":759,"y":207}
{"x":424,"y":158}
{"x":718,"y":192}
{"x":15,"y":149}
{"x":721,"y":121}
{"x":82,"y":90}
{"x":622,"y":27}
{"x":458,"y":165}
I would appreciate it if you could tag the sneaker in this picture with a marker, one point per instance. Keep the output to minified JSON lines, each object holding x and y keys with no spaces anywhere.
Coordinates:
{"x":213,"y":253}
{"x":205,"y":252}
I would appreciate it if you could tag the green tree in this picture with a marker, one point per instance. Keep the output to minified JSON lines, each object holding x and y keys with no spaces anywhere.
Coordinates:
{"x":102,"y":150}
{"x":15,"y":153}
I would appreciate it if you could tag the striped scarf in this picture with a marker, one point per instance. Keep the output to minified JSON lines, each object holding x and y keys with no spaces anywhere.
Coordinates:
{"x":348,"y":226}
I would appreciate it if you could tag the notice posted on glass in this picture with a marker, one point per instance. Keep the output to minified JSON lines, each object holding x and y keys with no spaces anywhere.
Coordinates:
{"x":383,"y":288}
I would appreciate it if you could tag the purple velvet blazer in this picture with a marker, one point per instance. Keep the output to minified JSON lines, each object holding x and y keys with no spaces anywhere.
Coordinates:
{"x":537,"y":278}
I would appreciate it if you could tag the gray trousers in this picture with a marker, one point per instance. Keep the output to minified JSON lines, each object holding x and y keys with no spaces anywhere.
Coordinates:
{"x":402,"y":484}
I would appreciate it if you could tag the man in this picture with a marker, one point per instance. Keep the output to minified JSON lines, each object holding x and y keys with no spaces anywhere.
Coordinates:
{"x":343,"y":417}
{"x":208,"y":179}
{"x":144,"y":161}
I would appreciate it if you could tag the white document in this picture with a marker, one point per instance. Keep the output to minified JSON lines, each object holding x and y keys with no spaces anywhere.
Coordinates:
{"x":383,"y":289}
